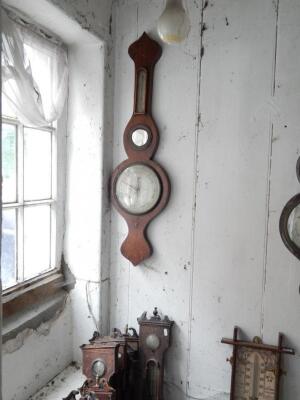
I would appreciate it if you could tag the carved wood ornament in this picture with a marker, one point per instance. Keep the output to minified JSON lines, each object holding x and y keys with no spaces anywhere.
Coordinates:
{"x":140,"y":187}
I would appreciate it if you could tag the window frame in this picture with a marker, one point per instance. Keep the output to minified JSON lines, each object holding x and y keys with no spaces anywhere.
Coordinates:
{"x":34,"y":290}
{"x":20,"y":204}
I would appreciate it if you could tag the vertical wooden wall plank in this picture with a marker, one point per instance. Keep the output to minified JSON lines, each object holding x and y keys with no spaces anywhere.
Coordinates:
{"x":126,"y":33}
{"x":164,"y":279}
{"x":0,"y":222}
{"x":282,"y":301}
{"x":232,"y":190}
{"x":218,"y":261}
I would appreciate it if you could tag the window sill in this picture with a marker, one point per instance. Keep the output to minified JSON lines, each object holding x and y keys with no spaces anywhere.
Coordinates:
{"x":30,"y":293}
{"x":33,"y":302}
{"x":32,"y":317}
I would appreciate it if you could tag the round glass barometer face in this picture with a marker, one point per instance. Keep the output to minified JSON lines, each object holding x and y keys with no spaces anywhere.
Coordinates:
{"x":294,"y":225}
{"x":98,"y":368}
{"x":140,"y":137}
{"x":138,"y":189}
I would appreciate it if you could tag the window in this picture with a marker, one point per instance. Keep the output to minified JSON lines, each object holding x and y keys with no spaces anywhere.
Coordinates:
{"x":29,"y":201}
{"x":35,"y":76}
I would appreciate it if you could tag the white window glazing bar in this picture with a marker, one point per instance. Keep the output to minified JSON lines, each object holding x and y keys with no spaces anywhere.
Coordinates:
{"x":53,"y":208}
{"x":20,"y":199}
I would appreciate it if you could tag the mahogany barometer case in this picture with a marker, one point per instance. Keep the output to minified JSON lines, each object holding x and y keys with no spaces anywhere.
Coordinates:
{"x":140,"y":187}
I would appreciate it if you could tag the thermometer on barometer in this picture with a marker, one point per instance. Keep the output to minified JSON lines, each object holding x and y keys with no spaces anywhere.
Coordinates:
{"x":140,"y":106}
{"x":255,"y":379}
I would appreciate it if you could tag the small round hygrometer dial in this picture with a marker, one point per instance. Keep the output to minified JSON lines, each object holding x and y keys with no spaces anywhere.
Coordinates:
{"x":138,"y":189}
{"x":98,"y":368}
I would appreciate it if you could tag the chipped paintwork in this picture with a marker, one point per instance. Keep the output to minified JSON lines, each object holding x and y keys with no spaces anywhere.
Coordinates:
{"x":91,"y":15}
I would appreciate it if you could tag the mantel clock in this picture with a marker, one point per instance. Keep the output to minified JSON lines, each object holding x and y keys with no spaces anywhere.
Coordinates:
{"x":154,"y":340}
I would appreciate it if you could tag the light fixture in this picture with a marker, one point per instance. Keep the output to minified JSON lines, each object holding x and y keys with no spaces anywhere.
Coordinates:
{"x":174,"y":23}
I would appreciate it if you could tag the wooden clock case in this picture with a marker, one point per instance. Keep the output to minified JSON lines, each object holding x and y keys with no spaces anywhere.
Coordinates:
{"x":154,"y":340}
{"x":134,"y":370}
{"x":117,"y":352}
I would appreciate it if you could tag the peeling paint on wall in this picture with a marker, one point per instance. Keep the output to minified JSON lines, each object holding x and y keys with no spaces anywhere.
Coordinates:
{"x":43,"y":329}
{"x":91,"y":15}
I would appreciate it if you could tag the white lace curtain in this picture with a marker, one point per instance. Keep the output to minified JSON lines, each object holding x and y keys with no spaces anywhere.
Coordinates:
{"x":34,"y":74}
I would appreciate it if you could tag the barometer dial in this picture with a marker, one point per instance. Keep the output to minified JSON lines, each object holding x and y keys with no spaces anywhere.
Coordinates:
{"x":138,"y":189}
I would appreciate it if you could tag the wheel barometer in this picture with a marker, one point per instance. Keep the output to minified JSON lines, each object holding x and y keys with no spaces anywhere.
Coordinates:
{"x":140,"y":187}
{"x":289,"y":223}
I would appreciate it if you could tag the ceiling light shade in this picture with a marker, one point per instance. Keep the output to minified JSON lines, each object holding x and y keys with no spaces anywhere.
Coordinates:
{"x":174,"y":23}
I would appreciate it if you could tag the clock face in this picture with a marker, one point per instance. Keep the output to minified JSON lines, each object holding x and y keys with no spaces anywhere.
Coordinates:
{"x":153,"y":342}
{"x":138,"y":189}
{"x":98,"y":368}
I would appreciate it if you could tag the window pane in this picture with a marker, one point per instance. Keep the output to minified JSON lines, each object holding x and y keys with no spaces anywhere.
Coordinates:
{"x":8,"y":255}
{"x":36,"y":240}
{"x":37,"y":164}
{"x":7,"y":110}
{"x":9,"y":165}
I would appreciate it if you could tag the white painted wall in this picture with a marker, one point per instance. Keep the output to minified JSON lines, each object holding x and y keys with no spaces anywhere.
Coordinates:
{"x":83,"y":201}
{"x":218,"y":258}
{"x":36,"y":356}
{"x":0,"y":237}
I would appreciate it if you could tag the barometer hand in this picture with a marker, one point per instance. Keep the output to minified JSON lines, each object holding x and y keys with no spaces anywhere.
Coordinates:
{"x":138,"y":184}
{"x":135,"y":188}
